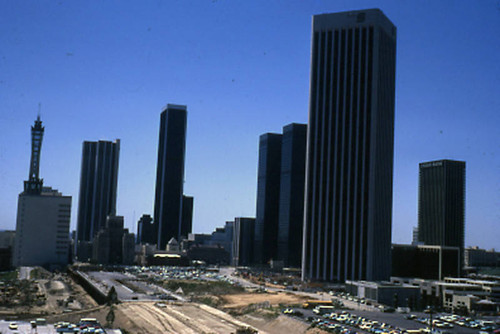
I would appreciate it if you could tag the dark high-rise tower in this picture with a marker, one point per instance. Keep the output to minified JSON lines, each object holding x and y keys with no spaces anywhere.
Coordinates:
{"x":98,"y":187}
{"x":348,"y":196}
{"x":291,"y":209}
{"x":34,"y":184}
{"x":268,"y":196}
{"x":146,"y":233}
{"x":187,"y":215}
{"x":170,"y":174}
{"x":441,"y":203}
{"x":243,"y":241}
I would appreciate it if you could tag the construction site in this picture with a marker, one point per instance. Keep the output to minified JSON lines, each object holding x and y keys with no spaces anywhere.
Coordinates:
{"x":166,"y":300}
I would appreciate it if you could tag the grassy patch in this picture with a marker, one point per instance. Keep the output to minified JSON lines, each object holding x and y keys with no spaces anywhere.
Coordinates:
{"x":203,"y":287}
{"x":8,"y":275}
{"x":208,"y":300}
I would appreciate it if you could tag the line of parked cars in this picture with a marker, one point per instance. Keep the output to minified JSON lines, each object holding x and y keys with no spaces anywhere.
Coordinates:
{"x":345,"y":323}
{"x":86,"y":325}
{"x":448,"y":321}
{"x":483,"y":325}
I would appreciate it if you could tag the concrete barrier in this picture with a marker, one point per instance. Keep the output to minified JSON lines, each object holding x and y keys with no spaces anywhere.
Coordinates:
{"x":99,"y":296}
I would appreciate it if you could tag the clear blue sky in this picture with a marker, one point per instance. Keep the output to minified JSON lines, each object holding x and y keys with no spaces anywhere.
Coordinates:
{"x":105,"y":69}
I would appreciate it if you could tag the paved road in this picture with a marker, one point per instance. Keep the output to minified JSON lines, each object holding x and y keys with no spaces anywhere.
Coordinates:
{"x":230,"y":272}
{"x":25,"y":328}
{"x":133,"y":290}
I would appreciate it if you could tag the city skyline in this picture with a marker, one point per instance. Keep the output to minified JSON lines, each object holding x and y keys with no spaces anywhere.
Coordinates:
{"x":237,"y":88}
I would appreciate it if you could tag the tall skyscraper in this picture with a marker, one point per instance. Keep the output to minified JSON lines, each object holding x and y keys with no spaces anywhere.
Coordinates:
{"x":291,"y":208}
{"x":187,"y":215}
{"x":348,"y":201}
{"x":98,"y":188}
{"x":268,"y":196}
{"x":43,"y":217}
{"x":441,"y":203}
{"x":243,"y":241}
{"x":170,"y":174}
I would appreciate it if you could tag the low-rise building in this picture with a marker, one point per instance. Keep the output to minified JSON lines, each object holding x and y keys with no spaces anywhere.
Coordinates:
{"x":477,"y":257}
{"x":424,"y":261}
{"x":387,"y":293}
{"x":457,"y":294}
{"x":7,"y":239}
{"x":210,"y":254}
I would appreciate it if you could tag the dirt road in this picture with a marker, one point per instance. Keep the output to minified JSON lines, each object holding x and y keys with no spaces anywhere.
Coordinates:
{"x":191,"y":318}
{"x":274,"y":299}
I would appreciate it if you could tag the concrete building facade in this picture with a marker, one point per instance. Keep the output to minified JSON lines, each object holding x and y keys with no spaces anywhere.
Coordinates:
{"x":42,"y":229}
{"x":43,"y":217}
{"x":477,"y":257}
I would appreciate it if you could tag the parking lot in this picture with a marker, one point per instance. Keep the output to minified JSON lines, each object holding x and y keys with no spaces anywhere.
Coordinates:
{"x":380,"y":322}
{"x":24,"y":327}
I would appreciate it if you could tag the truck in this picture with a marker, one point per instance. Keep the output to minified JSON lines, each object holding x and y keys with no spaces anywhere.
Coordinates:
{"x":314,"y":303}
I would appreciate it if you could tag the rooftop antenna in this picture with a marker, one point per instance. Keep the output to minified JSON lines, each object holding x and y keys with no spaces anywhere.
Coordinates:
{"x":39,"y":111}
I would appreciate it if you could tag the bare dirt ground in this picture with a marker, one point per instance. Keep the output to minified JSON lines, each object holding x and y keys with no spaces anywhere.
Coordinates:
{"x":67,"y":301}
{"x":281,"y":325}
{"x":245,"y":299}
{"x":188,"y":318}
{"x":60,"y":294}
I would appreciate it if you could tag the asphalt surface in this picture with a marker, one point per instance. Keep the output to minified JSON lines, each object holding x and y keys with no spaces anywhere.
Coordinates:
{"x":394,"y":319}
{"x":25,"y":328}
{"x":136,"y":290}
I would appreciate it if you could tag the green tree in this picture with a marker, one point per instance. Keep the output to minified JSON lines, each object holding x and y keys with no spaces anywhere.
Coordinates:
{"x":110,"y":317}
{"x":112,"y":296}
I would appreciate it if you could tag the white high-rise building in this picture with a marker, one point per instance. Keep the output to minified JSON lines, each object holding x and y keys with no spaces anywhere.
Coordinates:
{"x":43,"y":216}
{"x":42,"y":231}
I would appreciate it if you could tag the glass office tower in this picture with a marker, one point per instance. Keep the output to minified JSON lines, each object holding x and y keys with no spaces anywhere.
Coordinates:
{"x":349,"y":168}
